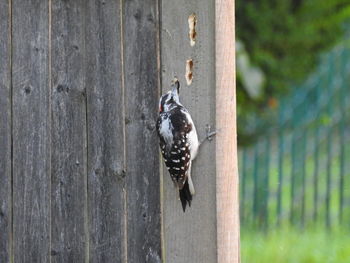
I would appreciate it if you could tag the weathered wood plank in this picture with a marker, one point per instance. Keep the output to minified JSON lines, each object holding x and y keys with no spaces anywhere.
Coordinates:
{"x":226,"y":141}
{"x":31,"y":131}
{"x":141,"y":55}
{"x":5,"y":133}
{"x":190,"y":236}
{"x":69,"y":149}
{"x":105,"y":120}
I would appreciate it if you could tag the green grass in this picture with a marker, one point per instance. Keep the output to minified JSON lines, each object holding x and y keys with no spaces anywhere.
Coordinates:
{"x":288,"y":245}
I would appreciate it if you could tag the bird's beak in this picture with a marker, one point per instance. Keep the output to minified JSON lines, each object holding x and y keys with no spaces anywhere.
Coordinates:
{"x":175,"y":86}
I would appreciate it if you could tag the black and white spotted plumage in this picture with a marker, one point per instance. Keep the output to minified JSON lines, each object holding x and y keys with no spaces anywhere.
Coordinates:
{"x":178,"y":142}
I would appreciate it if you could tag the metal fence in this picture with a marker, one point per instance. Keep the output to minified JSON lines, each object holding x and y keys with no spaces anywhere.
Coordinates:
{"x":298,"y":172}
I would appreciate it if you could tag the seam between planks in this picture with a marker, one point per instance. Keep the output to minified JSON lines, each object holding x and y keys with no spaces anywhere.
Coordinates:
{"x":86,"y":197}
{"x":161,"y":169}
{"x":11,"y":127}
{"x":86,"y":212}
{"x":125,"y":194}
{"x":50,"y":120}
{"x":87,"y":209}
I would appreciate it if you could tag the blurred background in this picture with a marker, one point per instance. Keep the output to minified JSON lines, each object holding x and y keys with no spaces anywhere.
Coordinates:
{"x":293,"y":96}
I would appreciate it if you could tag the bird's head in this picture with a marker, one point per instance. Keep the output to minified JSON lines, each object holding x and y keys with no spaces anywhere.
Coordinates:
{"x":171,"y":99}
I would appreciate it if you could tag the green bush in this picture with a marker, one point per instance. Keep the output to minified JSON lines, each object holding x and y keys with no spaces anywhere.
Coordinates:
{"x":284,"y":39}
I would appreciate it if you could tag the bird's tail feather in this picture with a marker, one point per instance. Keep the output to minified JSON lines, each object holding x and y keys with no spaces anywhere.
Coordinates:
{"x":185,"y":196}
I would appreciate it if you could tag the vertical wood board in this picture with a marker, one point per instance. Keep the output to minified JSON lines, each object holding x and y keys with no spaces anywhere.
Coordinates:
{"x":69,"y":150}
{"x":141,"y":81}
{"x":105,"y":124}
{"x":191,"y":236}
{"x":226,"y":139}
{"x":5,"y":133}
{"x":31,"y":131}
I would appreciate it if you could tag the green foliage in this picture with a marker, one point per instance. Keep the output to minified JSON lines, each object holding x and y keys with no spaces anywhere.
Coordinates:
{"x":284,"y":38}
{"x":295,"y":246}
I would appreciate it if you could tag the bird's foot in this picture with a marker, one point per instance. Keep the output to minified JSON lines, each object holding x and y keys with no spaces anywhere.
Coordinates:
{"x":209,"y":134}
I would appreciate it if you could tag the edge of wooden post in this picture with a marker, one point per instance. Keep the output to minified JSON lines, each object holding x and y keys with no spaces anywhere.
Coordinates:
{"x":226,"y":141}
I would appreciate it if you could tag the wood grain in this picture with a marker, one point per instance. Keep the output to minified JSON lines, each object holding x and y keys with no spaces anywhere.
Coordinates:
{"x":5,"y":133}
{"x":226,"y":143}
{"x":191,"y":236}
{"x":31,"y":131}
{"x":79,"y":89}
{"x":141,"y":111}
{"x":69,"y":239}
{"x":105,"y":124}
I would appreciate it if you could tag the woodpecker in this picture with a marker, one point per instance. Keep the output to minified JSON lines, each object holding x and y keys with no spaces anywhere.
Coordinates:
{"x":178,"y":141}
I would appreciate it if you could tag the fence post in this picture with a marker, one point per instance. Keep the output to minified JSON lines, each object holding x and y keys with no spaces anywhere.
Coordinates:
{"x":190,"y":236}
{"x":226,"y":144}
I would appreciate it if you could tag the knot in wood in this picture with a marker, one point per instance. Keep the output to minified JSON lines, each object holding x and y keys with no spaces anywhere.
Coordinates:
{"x":27,"y":89}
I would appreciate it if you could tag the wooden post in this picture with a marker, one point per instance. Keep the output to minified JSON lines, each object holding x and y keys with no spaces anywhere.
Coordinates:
{"x":226,"y":144}
{"x":209,"y":230}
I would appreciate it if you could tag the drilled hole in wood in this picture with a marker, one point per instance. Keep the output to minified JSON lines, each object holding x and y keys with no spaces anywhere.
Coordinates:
{"x":192,"y":21}
{"x":189,"y":71}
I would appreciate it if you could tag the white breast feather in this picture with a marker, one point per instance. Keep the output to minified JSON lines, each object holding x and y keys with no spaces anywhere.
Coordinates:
{"x":192,"y":137}
{"x":166,"y":131}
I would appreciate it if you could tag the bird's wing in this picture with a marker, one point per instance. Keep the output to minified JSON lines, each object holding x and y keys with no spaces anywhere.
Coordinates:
{"x":173,"y":130}
{"x":179,"y":157}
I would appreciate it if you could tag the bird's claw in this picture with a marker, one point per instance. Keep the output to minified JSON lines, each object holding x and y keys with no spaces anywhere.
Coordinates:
{"x":210,"y":133}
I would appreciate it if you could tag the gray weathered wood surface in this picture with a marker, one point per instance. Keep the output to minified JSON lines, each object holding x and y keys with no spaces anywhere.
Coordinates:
{"x":191,"y":236}
{"x":141,"y":83}
{"x":5,"y":133}
{"x":69,"y":146}
{"x":31,"y":131}
{"x":106,"y":143}
{"x":80,"y":173}
{"x":84,"y":107}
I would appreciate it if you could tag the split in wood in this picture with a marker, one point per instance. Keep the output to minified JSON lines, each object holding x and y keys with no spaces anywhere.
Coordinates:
{"x":189,"y":71}
{"x":192,"y":21}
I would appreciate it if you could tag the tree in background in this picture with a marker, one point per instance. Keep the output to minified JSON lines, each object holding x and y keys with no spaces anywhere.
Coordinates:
{"x":280,"y":42}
